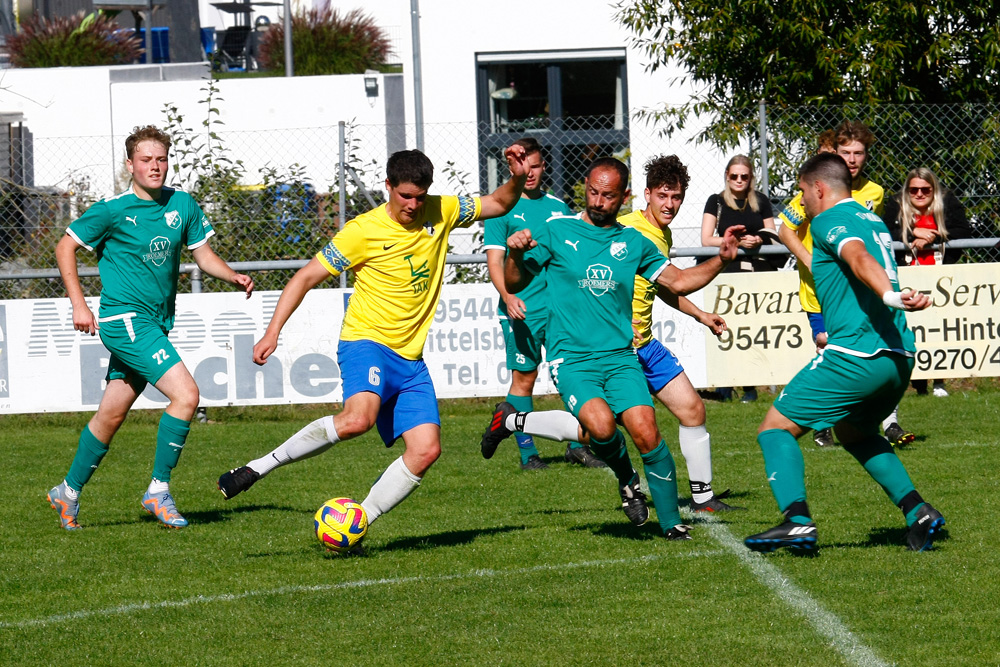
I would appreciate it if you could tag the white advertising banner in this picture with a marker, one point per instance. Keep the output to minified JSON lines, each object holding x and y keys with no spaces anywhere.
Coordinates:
{"x":46,"y":366}
{"x":769,"y":338}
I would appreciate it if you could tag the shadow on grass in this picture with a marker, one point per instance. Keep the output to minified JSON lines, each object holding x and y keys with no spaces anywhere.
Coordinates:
{"x":895,"y":537}
{"x":449,"y":539}
{"x":622,"y":530}
{"x":215,"y":516}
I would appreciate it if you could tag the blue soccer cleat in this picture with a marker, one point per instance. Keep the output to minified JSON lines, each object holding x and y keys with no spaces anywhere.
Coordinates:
{"x":68,"y":509}
{"x":921,"y":535}
{"x":161,"y":505}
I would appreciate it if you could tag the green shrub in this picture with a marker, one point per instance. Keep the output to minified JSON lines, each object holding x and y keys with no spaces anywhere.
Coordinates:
{"x":74,"y":41}
{"x":326,"y":42}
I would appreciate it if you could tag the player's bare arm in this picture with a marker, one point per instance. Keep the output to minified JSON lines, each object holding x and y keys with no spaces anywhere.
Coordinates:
{"x":305,"y":279}
{"x":83,"y":317}
{"x":711,"y":320}
{"x":790,"y":238}
{"x":495,"y":266}
{"x":684,"y":281}
{"x":872,"y":274}
{"x":214,"y":266}
{"x":515,"y":276}
{"x":502,"y":200}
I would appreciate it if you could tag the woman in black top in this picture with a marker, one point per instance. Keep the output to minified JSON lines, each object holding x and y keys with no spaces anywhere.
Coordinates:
{"x":740,"y":204}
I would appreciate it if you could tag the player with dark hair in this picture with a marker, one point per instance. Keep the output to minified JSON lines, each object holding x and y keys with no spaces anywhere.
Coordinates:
{"x":592,"y":261}
{"x":397,"y":252}
{"x":137,"y":236}
{"x":859,"y":377}
{"x":523,"y":315}
{"x":666,"y":184}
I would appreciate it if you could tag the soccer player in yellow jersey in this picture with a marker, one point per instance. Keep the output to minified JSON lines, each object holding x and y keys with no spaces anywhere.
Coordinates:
{"x":666,"y":183}
{"x":397,"y":252}
{"x":851,"y":140}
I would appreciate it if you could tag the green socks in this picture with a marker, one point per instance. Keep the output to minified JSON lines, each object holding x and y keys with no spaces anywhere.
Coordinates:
{"x":89,"y":453}
{"x":615,"y":455}
{"x":169,"y":442}
{"x":876,"y":455}
{"x":786,"y":471}
{"x":661,"y":476}
{"x":525,"y":443}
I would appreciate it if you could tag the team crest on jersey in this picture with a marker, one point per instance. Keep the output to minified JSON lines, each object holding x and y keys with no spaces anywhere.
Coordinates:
{"x":619,"y":250}
{"x":429,"y":226}
{"x":869,"y":204}
{"x":173,"y":219}
{"x":599,"y":280}
{"x":159,"y":251}
{"x":832,"y":235}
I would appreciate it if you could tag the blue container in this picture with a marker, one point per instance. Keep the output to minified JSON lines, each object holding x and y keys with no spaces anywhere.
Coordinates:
{"x":161,"y":44}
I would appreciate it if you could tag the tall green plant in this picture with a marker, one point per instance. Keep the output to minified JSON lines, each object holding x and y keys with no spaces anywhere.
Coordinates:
{"x":73,"y":41}
{"x":324,"y":41}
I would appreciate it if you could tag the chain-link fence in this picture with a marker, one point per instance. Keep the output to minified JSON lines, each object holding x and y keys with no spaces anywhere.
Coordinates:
{"x":280,"y":194}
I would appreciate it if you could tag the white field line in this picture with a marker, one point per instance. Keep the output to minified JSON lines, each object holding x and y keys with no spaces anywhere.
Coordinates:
{"x":321,"y":588}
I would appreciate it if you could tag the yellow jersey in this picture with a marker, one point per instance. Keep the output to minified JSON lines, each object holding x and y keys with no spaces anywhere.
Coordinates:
{"x":398,"y":271}
{"x":645,"y":291}
{"x":870,"y":195}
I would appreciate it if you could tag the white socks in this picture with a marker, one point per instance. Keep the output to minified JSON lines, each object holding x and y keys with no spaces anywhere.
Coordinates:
{"x":390,"y":489}
{"x":697,"y":450}
{"x":314,"y":439}
{"x":551,"y":424}
{"x":891,"y":419}
{"x":156,"y":486}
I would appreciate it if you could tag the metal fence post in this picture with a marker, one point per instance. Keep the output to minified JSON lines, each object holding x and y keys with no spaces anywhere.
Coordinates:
{"x":196,"y":280}
{"x":764,"y":187}
{"x":342,"y":178}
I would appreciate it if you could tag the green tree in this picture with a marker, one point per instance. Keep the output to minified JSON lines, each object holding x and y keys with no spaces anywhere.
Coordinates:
{"x":790,"y":52}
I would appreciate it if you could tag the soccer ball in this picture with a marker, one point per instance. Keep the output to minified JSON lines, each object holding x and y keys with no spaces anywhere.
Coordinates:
{"x":340,"y":524}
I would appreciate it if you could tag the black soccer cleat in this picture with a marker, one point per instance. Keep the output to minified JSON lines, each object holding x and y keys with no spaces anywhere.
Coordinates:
{"x":897,"y":436}
{"x":634,"y":502}
{"x":921,"y":535}
{"x":583,"y":456}
{"x":497,"y":431}
{"x":534,"y":462}
{"x":237,"y":481}
{"x":795,"y":536}
{"x":824,"y":437}
{"x":713,"y":504}
{"x":679,"y":532}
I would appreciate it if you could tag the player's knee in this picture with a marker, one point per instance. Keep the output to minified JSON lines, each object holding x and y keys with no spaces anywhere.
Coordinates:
{"x":425,"y":456}
{"x":352,"y":424}
{"x":523,"y":383}
{"x":692,"y":414}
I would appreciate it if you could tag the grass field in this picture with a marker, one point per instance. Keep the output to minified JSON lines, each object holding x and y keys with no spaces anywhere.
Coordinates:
{"x":486,"y":564}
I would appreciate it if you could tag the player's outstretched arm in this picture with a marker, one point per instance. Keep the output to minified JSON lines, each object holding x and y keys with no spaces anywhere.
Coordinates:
{"x":495,"y":266}
{"x":713,"y":321}
{"x":873,"y":274}
{"x":684,"y":281}
{"x":214,"y":266}
{"x":502,"y":200}
{"x":83,"y":317}
{"x":305,"y":279}
{"x":515,"y":276}
{"x":791,"y":240}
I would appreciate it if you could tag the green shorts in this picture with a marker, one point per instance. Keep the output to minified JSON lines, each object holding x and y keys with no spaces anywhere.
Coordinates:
{"x":836,"y":386}
{"x":615,"y":377}
{"x":524,"y":339}
{"x":139,"y":348}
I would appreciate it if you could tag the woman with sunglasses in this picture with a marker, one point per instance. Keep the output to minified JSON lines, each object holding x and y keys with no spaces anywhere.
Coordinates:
{"x":925,"y":216}
{"x":740,"y":204}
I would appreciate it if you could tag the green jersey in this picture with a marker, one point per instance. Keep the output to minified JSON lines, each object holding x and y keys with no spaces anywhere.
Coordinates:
{"x":857,"y":322}
{"x":527,"y":213}
{"x":591,"y":278}
{"x":138,"y":245}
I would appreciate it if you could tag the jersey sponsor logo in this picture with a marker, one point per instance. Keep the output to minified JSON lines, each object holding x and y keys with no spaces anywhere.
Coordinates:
{"x":173,"y":219}
{"x":131,"y":218}
{"x":599,"y":280}
{"x":831,"y":236}
{"x":871,"y":217}
{"x":389,"y":246}
{"x":159,"y":251}
{"x":573,"y":243}
{"x":419,"y":275}
{"x":335,"y":259}
{"x":619,"y":250}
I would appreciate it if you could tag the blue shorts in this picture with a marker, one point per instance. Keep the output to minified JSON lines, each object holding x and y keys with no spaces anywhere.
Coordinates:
{"x":405,"y":386}
{"x":816,"y":323}
{"x":659,"y":365}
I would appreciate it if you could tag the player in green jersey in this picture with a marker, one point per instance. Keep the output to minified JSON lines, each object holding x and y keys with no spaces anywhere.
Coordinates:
{"x":592,"y":261}
{"x":523,"y":315}
{"x":137,"y":236}
{"x":859,"y":377}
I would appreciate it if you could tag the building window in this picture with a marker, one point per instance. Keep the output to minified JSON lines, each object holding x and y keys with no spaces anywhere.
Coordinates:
{"x":573,"y":102}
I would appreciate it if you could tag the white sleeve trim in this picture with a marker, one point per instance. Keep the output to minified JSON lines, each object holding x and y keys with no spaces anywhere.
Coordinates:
{"x":659,"y":271}
{"x":198,"y":244}
{"x":494,"y":247}
{"x":78,"y":239}
{"x":840,"y":246}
